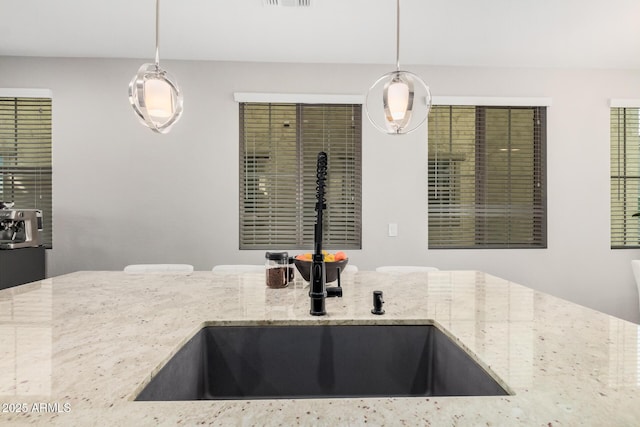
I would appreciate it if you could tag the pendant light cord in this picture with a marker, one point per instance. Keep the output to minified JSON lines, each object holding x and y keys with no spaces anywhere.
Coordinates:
{"x":157,"y":33}
{"x":397,"y":35}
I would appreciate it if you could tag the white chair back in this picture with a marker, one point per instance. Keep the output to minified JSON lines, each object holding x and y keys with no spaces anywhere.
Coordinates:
{"x":404,"y":268}
{"x":635,"y":266}
{"x":159,"y":269}
{"x":238,"y":268}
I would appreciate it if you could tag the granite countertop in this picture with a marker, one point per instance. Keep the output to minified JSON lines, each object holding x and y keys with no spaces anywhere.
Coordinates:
{"x":75,"y":349}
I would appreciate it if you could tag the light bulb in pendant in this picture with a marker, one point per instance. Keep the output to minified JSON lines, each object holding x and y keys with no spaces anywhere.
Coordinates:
{"x":157,"y":95}
{"x":398,"y":102}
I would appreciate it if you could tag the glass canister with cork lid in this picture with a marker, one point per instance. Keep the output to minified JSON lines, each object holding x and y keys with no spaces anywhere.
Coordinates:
{"x":277,"y":269}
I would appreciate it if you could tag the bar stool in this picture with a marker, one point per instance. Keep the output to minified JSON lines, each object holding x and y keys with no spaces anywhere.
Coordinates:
{"x":159,"y":269}
{"x":405,"y":269}
{"x":635,"y":266}
{"x":238,"y":268}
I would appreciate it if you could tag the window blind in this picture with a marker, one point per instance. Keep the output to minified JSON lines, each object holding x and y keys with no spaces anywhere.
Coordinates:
{"x":279,"y":144}
{"x":487,"y":177}
{"x":25,"y":156}
{"x":625,"y":177}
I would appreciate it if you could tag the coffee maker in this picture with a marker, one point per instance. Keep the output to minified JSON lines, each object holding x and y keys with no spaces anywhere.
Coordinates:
{"x":20,"y":228}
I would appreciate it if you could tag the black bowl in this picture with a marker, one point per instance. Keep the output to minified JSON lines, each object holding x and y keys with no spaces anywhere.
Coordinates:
{"x":331,"y":268}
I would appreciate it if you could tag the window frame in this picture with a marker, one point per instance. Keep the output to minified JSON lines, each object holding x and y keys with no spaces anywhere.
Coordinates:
{"x":539,"y":232}
{"x":33,"y":144}
{"x":303,"y":236}
{"x":624,"y":118}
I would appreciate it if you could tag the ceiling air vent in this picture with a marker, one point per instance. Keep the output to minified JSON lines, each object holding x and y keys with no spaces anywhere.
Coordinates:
{"x":287,"y":3}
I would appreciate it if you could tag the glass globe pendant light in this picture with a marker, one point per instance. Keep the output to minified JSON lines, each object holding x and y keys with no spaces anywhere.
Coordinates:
{"x":154,"y":94}
{"x":399,"y":101}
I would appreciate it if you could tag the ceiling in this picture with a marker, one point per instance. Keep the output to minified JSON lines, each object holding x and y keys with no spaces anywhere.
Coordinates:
{"x":504,"y":33}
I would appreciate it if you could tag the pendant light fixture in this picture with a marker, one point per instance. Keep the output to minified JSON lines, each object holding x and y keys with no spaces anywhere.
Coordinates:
{"x":154,"y":94}
{"x":398,"y":102}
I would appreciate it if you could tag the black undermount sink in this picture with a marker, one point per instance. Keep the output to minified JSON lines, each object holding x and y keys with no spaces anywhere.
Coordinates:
{"x":319,"y":361}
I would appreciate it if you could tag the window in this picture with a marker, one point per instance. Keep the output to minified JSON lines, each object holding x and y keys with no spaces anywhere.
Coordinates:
{"x":25,"y":156}
{"x":279,"y":145}
{"x":486,"y":177}
{"x":625,"y":177}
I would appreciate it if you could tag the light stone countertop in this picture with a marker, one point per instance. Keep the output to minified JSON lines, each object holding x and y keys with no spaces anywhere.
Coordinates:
{"x":75,"y":349}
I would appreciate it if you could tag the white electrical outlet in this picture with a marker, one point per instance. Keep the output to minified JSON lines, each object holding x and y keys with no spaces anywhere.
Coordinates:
{"x":393,"y":229}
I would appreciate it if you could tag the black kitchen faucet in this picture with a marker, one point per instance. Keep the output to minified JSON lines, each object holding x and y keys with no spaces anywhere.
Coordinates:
{"x":319,"y":290}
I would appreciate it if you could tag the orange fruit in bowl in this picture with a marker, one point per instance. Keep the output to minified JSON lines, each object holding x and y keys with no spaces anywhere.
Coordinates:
{"x":339,"y":256}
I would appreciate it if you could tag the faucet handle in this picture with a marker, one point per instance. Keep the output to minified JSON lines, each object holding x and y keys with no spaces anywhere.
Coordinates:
{"x":334,"y":291}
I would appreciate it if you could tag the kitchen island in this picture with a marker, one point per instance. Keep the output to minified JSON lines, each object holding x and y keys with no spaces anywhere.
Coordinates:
{"x":76,"y":349}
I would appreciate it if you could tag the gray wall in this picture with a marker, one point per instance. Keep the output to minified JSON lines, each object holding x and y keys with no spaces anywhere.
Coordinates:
{"x":123,"y":194}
